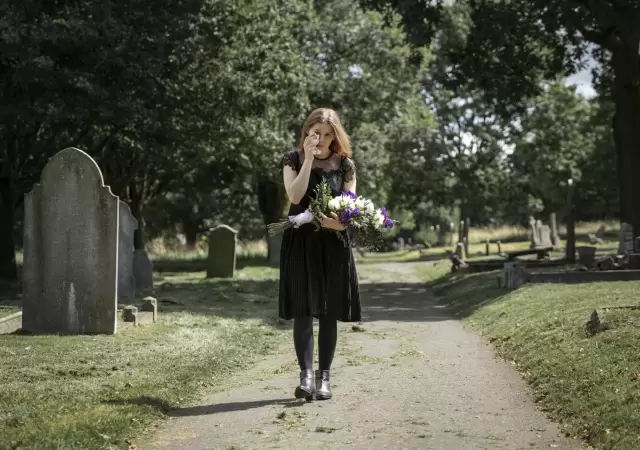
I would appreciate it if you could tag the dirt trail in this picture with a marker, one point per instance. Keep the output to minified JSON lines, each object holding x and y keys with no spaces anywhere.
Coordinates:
{"x":413,"y":379}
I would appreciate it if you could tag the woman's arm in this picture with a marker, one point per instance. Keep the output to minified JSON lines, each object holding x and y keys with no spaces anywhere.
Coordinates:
{"x":296,"y":183}
{"x":349,"y":175}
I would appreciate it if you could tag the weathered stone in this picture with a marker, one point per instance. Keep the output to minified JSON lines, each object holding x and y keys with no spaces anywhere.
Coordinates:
{"x":586,"y":255}
{"x":544,"y":235}
{"x":221,"y":261}
{"x":11,"y":323}
{"x":150,"y":304}
{"x":555,"y":237}
{"x":533,"y":243}
{"x":130,"y":314}
{"x":70,"y":273}
{"x":595,"y":324}
{"x":514,"y":275}
{"x":606,"y":263}
{"x":460,"y":253}
{"x":142,"y":270}
{"x":625,"y":245}
{"x":127,"y":226}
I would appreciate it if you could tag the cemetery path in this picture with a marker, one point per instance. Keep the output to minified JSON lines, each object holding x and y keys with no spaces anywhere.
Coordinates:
{"x":410,"y":378}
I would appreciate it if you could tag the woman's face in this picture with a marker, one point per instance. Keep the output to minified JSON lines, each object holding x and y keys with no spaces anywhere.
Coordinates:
{"x":325,"y":132}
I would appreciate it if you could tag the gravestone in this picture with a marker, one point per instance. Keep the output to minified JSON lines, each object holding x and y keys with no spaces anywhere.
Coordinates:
{"x":625,"y":246}
{"x":142,"y":270}
{"x":221,"y":262}
{"x":600,"y":233}
{"x":544,"y":236}
{"x":514,"y":275}
{"x":586,"y":255}
{"x":555,"y":237}
{"x":70,"y":272}
{"x":534,"y":232}
{"x":128,"y":225}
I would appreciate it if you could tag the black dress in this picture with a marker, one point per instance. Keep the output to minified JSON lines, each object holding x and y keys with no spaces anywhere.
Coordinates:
{"x":317,"y":271}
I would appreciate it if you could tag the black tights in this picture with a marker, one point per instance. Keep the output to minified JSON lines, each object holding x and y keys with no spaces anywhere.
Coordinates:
{"x":303,"y":341}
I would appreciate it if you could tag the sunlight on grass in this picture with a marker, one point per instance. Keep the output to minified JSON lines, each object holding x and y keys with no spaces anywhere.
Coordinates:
{"x":79,"y":392}
{"x":590,"y":384}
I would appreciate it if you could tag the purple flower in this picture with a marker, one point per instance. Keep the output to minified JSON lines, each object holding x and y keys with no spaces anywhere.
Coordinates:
{"x":349,"y":194}
{"x":348,"y":214}
{"x":388,"y":223}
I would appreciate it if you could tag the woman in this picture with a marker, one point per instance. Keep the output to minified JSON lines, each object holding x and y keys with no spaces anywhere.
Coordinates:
{"x":317,"y":272}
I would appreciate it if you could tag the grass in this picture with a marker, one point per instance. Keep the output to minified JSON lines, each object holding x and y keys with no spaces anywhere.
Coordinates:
{"x":591,"y":385}
{"x":4,"y":312}
{"x":79,"y":392}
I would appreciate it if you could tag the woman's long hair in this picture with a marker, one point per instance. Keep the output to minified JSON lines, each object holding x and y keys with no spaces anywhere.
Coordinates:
{"x":341,"y":145}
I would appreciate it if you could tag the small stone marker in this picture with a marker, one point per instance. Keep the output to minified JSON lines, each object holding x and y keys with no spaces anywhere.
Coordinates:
{"x":151,"y":305}
{"x":221,"y":262}
{"x":514,"y":275}
{"x":128,"y":225}
{"x":130,"y":314}
{"x":70,"y":273}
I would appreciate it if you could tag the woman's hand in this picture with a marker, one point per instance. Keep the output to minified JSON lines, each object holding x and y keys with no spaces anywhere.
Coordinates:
{"x":332,"y":222}
{"x":310,"y":146}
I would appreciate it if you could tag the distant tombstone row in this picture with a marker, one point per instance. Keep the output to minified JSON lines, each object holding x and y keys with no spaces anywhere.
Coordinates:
{"x":78,"y":250}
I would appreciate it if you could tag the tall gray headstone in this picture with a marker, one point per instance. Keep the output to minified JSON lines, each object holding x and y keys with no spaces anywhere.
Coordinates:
{"x":128,"y":225}
{"x":142,"y":270}
{"x":222,"y":252}
{"x":625,"y":246}
{"x":70,"y":274}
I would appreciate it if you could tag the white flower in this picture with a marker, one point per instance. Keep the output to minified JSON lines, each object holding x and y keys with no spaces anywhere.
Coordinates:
{"x":368,"y":205}
{"x":334,"y":204}
{"x":302,"y":218}
{"x":379,"y":219}
{"x":360,"y":202}
{"x":346,"y":202}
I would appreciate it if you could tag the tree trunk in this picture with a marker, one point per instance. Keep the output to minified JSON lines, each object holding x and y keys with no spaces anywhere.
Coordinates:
{"x":8,"y":270}
{"x":136,"y":195}
{"x":190,"y":229}
{"x":271,"y":200}
{"x":626,"y":131}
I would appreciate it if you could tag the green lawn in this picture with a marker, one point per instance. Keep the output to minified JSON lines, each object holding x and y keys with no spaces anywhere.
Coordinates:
{"x":589,"y":384}
{"x":8,"y":311}
{"x":95,"y":392}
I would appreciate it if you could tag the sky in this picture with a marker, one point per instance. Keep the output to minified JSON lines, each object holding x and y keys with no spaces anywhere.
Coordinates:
{"x":582,"y":80}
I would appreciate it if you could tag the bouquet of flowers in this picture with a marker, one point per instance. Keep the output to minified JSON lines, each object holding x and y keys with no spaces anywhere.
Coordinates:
{"x":363,"y":220}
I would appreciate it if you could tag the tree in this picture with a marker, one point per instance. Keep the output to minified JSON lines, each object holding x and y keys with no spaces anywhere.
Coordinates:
{"x":510,"y":47}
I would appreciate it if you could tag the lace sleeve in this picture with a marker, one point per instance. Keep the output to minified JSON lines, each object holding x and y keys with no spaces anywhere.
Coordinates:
{"x":290,"y":159}
{"x":349,"y":170}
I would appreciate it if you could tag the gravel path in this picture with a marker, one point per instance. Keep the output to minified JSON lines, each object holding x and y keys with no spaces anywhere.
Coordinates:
{"x":412,"y":378}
